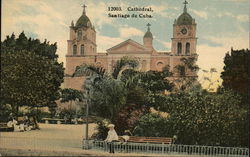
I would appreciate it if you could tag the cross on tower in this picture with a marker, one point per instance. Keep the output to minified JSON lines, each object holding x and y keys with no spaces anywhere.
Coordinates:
{"x":148,"y":26}
{"x":84,"y":6}
{"x":185,"y":6}
{"x":185,"y":3}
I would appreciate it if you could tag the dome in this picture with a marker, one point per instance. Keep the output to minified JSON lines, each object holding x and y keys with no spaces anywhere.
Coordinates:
{"x":83,"y":21}
{"x":184,"y":19}
{"x":148,"y":34}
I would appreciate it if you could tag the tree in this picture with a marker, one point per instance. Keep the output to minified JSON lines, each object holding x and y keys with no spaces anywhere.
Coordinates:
{"x":105,"y":94}
{"x":107,"y":97}
{"x":236,"y":71}
{"x":153,"y":125}
{"x":70,"y":95}
{"x":128,"y":117}
{"x":124,"y":90}
{"x":204,"y":118}
{"x":30,"y":73}
{"x":186,"y":73}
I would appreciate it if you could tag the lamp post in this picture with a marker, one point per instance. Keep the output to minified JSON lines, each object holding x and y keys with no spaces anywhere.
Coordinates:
{"x":86,"y":143}
{"x":87,"y":84}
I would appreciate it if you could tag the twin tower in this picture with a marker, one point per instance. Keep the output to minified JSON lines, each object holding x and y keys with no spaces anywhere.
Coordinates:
{"x":82,"y":48}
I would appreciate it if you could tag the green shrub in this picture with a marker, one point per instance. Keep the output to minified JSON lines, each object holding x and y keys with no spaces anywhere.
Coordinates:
{"x":37,"y":113}
{"x":153,"y":125}
{"x":102,"y":127}
{"x":5,"y":112}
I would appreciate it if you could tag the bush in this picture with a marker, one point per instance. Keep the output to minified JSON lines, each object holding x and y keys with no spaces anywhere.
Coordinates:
{"x":127,"y":118}
{"x":102,"y":127}
{"x":153,"y":125}
{"x":204,"y":118}
{"x":37,"y":113}
{"x":5,"y":112}
{"x":67,"y":113}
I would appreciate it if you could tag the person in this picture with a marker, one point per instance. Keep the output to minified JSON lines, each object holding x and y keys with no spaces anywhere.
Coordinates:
{"x":36,"y":125}
{"x":10,"y":124}
{"x":26,"y":123}
{"x":126,"y":135}
{"x":112,"y":137}
{"x":124,"y":138}
{"x":16,"y":127}
{"x":21,"y":126}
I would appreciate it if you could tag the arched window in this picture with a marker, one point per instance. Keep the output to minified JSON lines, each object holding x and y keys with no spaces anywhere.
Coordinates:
{"x":82,"y":49}
{"x":187,"y":48}
{"x":179,"y":48}
{"x":74,"y":50}
{"x":160,"y":66}
{"x":79,"y":35}
{"x":98,"y":64}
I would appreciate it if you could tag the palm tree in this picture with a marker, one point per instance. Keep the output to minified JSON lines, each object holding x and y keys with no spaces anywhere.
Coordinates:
{"x":186,"y":74}
{"x":109,"y":93}
{"x":105,"y":93}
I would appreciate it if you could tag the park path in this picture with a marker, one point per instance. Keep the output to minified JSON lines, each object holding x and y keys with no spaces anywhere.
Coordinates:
{"x":51,"y":136}
{"x":52,"y":140}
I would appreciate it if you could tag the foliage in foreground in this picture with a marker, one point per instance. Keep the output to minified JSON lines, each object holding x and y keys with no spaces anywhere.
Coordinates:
{"x":153,"y":125}
{"x":236,"y":71}
{"x":202,"y":118}
{"x":111,"y":95}
{"x":30,"y":73}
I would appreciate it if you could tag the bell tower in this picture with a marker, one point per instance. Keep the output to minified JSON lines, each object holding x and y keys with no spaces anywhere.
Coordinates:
{"x":82,"y":38}
{"x":81,"y":44}
{"x":184,"y":34}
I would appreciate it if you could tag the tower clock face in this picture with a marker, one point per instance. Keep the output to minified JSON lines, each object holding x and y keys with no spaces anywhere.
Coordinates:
{"x":184,"y":31}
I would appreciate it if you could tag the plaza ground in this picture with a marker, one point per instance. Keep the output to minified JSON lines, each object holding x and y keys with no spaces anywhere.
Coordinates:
{"x":51,"y":140}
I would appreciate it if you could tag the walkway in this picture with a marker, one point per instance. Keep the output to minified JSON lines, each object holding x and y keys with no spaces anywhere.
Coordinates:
{"x":51,"y":140}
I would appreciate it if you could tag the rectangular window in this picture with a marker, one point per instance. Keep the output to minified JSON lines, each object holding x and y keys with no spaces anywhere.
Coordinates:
{"x":74,"y":50}
{"x":179,"y":48}
{"x":82,"y":49}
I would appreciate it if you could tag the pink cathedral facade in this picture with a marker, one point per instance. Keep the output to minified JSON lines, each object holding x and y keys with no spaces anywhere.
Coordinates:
{"x":82,"y":48}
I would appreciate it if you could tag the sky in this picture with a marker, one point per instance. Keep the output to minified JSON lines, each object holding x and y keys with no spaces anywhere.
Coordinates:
{"x":221,"y":24}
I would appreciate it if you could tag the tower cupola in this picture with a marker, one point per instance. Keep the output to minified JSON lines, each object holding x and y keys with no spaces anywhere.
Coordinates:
{"x":185,"y":18}
{"x":83,"y":21}
{"x":148,"y":34}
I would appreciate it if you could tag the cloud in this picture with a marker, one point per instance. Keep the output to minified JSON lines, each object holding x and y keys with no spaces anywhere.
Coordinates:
{"x":46,"y":23}
{"x":210,"y":57}
{"x":222,"y":14}
{"x":105,"y":42}
{"x":51,"y":19}
{"x":167,"y":45}
{"x":228,"y":41}
{"x":237,"y":1}
{"x":201,"y":14}
{"x":97,"y":12}
{"x":243,"y":18}
{"x":164,"y":10}
{"x":240,"y":18}
{"x":126,"y":32}
{"x":160,"y":10}
{"x":213,"y":57}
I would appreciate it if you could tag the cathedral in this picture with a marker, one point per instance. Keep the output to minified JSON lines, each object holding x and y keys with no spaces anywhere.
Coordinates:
{"x":82,"y":48}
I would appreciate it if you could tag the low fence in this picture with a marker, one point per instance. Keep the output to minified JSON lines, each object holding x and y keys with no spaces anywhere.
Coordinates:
{"x":171,"y":149}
